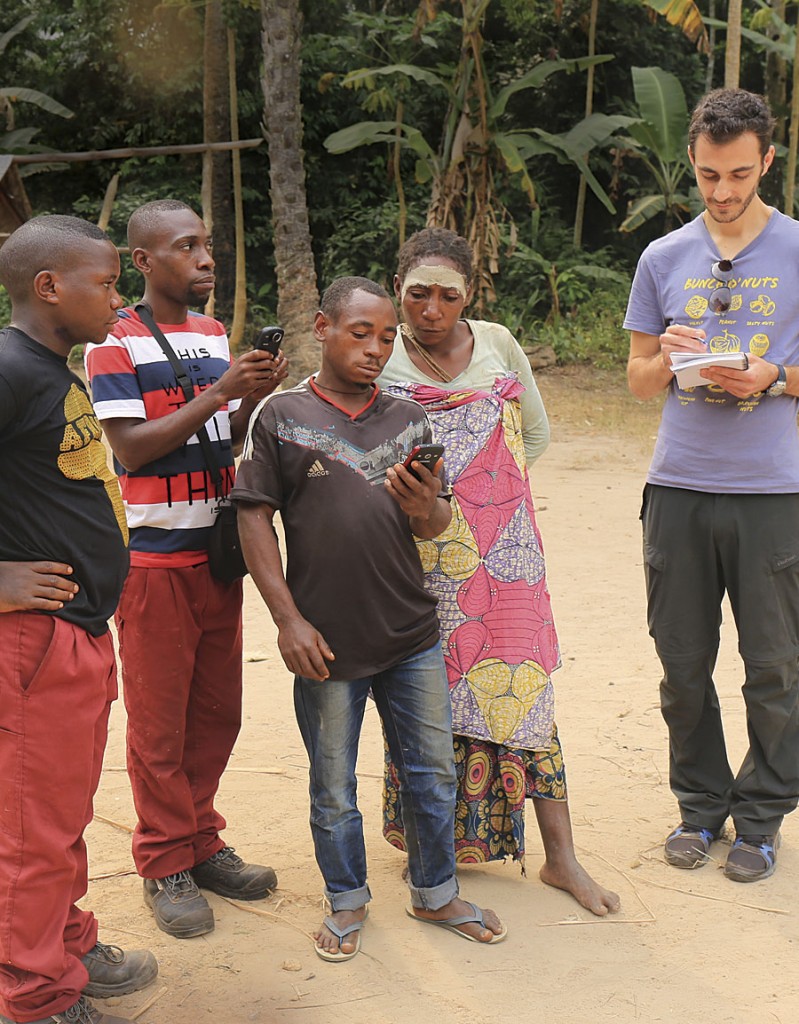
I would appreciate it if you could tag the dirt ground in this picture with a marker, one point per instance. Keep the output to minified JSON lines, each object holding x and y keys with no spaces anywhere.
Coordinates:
{"x":686,"y":946}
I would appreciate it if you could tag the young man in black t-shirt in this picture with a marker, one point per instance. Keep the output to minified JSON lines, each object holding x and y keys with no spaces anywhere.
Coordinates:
{"x":63,"y":560}
{"x":352,"y":612}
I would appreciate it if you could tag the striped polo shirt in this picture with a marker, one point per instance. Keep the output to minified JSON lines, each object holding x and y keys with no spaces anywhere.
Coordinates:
{"x":169,"y":502}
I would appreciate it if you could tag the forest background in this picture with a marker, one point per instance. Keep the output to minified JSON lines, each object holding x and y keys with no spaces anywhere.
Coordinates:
{"x":552,"y":134}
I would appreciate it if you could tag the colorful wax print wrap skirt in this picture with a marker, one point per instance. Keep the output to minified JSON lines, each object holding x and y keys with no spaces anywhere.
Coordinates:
{"x":497,"y":630}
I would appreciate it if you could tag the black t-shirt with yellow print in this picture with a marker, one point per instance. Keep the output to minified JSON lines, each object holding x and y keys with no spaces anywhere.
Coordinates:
{"x":60,"y":501}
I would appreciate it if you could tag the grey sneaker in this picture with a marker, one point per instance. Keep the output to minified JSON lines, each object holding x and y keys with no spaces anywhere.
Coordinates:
{"x":113,"y":972}
{"x":180,"y":908}
{"x":82,"y":1012}
{"x":227,"y":874}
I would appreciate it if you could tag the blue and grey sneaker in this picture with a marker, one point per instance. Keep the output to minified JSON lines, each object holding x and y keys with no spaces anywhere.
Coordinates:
{"x":752,"y":858}
{"x":688,"y":846}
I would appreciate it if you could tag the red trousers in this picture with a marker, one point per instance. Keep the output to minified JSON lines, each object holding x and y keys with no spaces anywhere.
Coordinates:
{"x":56,"y":687}
{"x":180,"y":649}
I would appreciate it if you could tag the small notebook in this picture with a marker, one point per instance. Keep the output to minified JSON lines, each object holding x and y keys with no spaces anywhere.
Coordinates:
{"x":686,"y":365}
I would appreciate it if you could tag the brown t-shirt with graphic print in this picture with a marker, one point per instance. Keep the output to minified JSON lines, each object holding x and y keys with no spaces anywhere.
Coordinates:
{"x":353,"y":568}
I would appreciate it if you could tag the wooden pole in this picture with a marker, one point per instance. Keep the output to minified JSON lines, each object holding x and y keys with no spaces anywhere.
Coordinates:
{"x":108,"y":203}
{"x":124,"y":154}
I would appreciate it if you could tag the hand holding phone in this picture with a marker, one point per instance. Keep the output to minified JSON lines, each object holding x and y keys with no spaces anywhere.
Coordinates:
{"x":269,"y":339}
{"x":426,"y":455}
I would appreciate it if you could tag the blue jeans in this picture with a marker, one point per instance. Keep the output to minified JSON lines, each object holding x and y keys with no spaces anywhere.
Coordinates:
{"x":412,"y":699}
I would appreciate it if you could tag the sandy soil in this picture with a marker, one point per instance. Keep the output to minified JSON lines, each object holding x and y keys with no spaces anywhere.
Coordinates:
{"x":685,"y":946}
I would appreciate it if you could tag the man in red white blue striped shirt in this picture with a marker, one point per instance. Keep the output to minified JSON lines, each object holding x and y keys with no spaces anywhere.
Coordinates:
{"x":179,"y":627}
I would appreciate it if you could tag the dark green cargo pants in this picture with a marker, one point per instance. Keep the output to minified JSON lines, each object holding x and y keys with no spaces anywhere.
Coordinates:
{"x":696,"y":546}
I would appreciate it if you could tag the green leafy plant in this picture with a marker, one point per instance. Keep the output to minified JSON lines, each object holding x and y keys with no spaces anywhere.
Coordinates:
{"x":575,"y":146}
{"x":659,"y":140}
{"x":555,"y":299}
{"x":18,"y":140}
{"x":464,"y":142}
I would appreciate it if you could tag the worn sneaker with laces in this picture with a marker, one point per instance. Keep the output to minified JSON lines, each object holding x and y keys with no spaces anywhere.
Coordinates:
{"x":752,"y":858}
{"x":688,"y":846}
{"x":180,"y":908}
{"x":82,"y":1012}
{"x":114,"y":972}
{"x":227,"y":874}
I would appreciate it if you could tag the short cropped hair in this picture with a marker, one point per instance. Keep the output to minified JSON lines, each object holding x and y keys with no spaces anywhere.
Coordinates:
{"x":725,"y":114}
{"x":144,"y":220}
{"x":436,"y":242}
{"x":48,"y":242}
{"x":336,"y":294}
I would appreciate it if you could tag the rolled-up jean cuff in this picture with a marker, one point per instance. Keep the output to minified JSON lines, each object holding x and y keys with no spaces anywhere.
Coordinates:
{"x":352,"y":900}
{"x":437,"y":897}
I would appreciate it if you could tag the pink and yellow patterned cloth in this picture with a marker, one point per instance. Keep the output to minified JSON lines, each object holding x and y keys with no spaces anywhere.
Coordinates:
{"x":487,"y":570}
{"x":497,"y":630}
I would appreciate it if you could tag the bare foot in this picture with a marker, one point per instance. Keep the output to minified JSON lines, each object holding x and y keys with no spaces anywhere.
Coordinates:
{"x":571,"y":876}
{"x":329,"y":942}
{"x":460,"y":908}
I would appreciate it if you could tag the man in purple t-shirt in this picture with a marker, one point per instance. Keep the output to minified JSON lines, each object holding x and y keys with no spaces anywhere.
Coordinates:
{"x":721,"y":504}
{"x":352,"y":612}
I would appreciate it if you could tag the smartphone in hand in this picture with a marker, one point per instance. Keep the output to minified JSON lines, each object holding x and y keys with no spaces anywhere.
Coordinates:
{"x":269,"y":339}
{"x":426,"y":455}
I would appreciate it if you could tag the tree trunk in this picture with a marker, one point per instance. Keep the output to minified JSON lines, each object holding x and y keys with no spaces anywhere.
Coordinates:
{"x":217,"y":183}
{"x":793,"y":135}
{"x":579,"y":213}
{"x":711,"y":55}
{"x":402,"y":206}
{"x":777,"y":75}
{"x":240,"y":290}
{"x":108,"y":203}
{"x":732,"y":59}
{"x":463,"y":197}
{"x":773,"y":187}
{"x":298,"y":296}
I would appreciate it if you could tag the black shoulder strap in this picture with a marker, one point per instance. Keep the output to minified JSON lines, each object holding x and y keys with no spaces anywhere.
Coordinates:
{"x":184,"y":382}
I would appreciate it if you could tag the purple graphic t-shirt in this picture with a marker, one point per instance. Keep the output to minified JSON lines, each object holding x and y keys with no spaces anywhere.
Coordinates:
{"x":709,"y":440}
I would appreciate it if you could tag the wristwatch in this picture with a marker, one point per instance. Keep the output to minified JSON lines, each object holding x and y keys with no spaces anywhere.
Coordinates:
{"x":779,"y":385}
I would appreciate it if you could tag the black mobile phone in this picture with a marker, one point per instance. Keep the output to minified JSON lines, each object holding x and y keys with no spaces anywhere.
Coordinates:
{"x":269,"y":339}
{"x":425,"y":454}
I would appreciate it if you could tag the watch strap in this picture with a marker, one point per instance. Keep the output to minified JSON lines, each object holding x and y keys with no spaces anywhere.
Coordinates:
{"x":778,"y":387}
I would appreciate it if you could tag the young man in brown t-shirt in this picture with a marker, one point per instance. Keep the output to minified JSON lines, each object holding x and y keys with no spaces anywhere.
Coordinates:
{"x":352,"y":612}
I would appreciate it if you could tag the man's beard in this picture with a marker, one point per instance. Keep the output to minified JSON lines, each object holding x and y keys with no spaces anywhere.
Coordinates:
{"x":735,"y":210}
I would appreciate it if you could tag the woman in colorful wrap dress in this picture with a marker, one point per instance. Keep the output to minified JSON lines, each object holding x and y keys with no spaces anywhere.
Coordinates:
{"x":487,"y":569}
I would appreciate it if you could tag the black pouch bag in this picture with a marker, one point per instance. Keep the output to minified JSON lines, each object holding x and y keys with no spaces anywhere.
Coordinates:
{"x":225,"y":558}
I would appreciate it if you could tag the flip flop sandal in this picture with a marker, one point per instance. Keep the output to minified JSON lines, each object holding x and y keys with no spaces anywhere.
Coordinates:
{"x":341,"y":933}
{"x":752,"y":858}
{"x":689,"y":847}
{"x":451,"y":923}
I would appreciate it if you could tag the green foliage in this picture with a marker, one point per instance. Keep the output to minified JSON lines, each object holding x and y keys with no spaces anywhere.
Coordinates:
{"x":20,"y":140}
{"x":132,"y":71}
{"x":552,"y":295}
{"x":575,"y":146}
{"x":366,"y":242}
{"x":659,"y":139}
{"x":686,"y":15}
{"x":593,"y":334}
